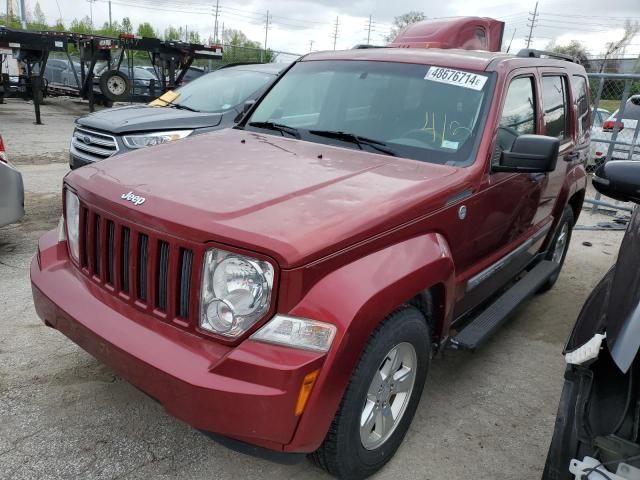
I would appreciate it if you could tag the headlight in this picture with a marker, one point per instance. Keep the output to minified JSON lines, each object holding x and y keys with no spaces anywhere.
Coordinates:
{"x":72,"y":214}
{"x":297,"y":333}
{"x":155,"y":138}
{"x":235,"y":294}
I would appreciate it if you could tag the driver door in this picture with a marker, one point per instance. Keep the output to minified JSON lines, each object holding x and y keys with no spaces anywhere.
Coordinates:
{"x":501,"y":217}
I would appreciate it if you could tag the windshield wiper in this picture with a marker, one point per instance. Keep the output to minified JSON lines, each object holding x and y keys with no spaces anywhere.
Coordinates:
{"x":355,"y":139}
{"x":181,"y":107}
{"x":278,"y":127}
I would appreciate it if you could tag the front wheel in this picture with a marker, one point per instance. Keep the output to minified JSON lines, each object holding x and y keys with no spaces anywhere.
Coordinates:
{"x":559,"y":246}
{"x":381,"y":398}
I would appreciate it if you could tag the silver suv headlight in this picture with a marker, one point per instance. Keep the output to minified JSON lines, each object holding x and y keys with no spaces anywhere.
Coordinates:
{"x":154,"y":138}
{"x":72,"y":215}
{"x":236,"y":292}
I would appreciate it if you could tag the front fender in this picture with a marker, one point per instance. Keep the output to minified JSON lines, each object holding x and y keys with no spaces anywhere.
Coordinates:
{"x":355,"y":298}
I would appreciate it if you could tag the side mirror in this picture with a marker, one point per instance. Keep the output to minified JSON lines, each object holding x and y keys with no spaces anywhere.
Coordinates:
{"x":530,"y":154}
{"x":248,"y":105}
{"x":619,"y":180}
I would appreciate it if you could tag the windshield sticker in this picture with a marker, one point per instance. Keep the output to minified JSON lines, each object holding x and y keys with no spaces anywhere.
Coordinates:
{"x":450,"y":145}
{"x":449,"y":76}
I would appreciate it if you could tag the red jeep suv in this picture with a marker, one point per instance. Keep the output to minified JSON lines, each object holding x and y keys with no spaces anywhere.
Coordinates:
{"x":285,"y":283}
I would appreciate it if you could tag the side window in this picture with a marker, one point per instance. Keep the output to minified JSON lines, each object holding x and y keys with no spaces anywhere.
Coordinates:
{"x":554,"y":101}
{"x":518,"y":113}
{"x":582,"y":103}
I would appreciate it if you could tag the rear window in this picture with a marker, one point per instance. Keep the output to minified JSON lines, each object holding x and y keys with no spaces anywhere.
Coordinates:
{"x":554,"y":101}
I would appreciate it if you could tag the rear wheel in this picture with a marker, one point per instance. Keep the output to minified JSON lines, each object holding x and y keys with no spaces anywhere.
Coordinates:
{"x":381,"y":398}
{"x":559,"y":246}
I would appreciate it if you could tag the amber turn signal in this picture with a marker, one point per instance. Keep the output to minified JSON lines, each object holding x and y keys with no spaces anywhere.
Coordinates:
{"x":305,"y":391}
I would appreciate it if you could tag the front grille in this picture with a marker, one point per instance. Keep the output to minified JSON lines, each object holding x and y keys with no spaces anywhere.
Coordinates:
{"x":92,"y":145}
{"x":150,"y":272}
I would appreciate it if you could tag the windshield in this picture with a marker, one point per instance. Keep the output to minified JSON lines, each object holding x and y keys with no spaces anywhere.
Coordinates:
{"x":221,"y":90}
{"x":421,"y":112}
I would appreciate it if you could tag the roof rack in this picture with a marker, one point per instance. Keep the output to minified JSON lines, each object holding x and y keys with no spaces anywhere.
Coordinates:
{"x":363,"y":46}
{"x":530,"y":52}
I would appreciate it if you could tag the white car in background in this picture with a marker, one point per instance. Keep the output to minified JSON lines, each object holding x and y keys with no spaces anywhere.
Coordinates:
{"x":628,"y":134}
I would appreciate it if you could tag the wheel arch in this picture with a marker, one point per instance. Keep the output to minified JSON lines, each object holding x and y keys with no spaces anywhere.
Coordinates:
{"x":418,"y":272}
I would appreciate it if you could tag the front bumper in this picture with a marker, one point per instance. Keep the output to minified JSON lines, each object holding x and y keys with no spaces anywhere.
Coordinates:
{"x":246,"y":392}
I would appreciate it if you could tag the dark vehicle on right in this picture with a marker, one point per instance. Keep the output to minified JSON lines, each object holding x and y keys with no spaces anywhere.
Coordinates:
{"x":211,"y":102}
{"x":597,"y":430}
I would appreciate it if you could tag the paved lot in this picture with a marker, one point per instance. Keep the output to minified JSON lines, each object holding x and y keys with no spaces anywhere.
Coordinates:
{"x":487,"y":415}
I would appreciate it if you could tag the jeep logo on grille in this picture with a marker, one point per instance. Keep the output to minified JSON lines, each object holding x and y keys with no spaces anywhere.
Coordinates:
{"x":133,"y":198}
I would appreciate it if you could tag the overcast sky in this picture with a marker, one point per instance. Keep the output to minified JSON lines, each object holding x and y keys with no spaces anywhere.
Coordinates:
{"x":297,"y":23}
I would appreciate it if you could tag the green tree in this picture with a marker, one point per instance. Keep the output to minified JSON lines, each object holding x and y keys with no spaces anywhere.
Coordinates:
{"x":127,"y":26}
{"x":574,"y":49}
{"x":403,"y":21}
{"x":112,"y":30}
{"x":12,"y":21}
{"x":37,"y":21}
{"x":81,"y":26}
{"x":59,"y":26}
{"x":194,"y":37}
{"x":146,"y":30}
{"x":171,"y":33}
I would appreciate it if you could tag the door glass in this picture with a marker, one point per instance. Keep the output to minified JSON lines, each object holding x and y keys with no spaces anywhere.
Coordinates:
{"x":518,"y":113}
{"x":582,"y":103}
{"x":554,"y":100}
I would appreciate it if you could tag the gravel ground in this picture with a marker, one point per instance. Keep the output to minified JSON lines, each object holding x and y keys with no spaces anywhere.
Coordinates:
{"x":487,"y":415}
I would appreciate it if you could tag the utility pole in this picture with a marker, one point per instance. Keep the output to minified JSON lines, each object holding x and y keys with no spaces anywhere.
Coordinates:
{"x":335,"y":32}
{"x":110,"y":24}
{"x":533,"y":19}
{"x":23,"y":15}
{"x":310,"y":46}
{"x":91,"y":2}
{"x":9,"y":11}
{"x":369,"y":30}
{"x":186,"y":33}
{"x":215,"y":24}
{"x":266,"y":31}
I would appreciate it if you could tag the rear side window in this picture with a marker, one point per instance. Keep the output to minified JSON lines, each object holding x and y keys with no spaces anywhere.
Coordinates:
{"x":554,"y":101}
{"x":582,"y":103}
{"x":518,"y":113}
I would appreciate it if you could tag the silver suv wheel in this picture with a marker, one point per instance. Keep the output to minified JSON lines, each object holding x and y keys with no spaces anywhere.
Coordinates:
{"x":388,"y":395}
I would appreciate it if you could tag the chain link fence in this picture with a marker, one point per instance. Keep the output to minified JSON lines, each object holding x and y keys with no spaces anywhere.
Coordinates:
{"x":239,"y":54}
{"x":616,"y":118}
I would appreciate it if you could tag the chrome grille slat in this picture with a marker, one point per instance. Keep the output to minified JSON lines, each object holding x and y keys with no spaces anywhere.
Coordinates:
{"x":93,"y":145}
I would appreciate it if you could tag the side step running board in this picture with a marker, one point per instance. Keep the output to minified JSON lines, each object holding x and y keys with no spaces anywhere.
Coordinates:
{"x":495,"y":315}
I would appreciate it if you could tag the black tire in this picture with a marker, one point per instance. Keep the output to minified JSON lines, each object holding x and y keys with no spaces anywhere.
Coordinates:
{"x":107,"y":103}
{"x":115,"y":85}
{"x":342,"y":453}
{"x":568,"y":220}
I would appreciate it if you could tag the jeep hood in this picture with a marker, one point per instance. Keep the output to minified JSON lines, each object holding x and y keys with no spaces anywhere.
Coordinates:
{"x":140,"y":118}
{"x":296,"y":201}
